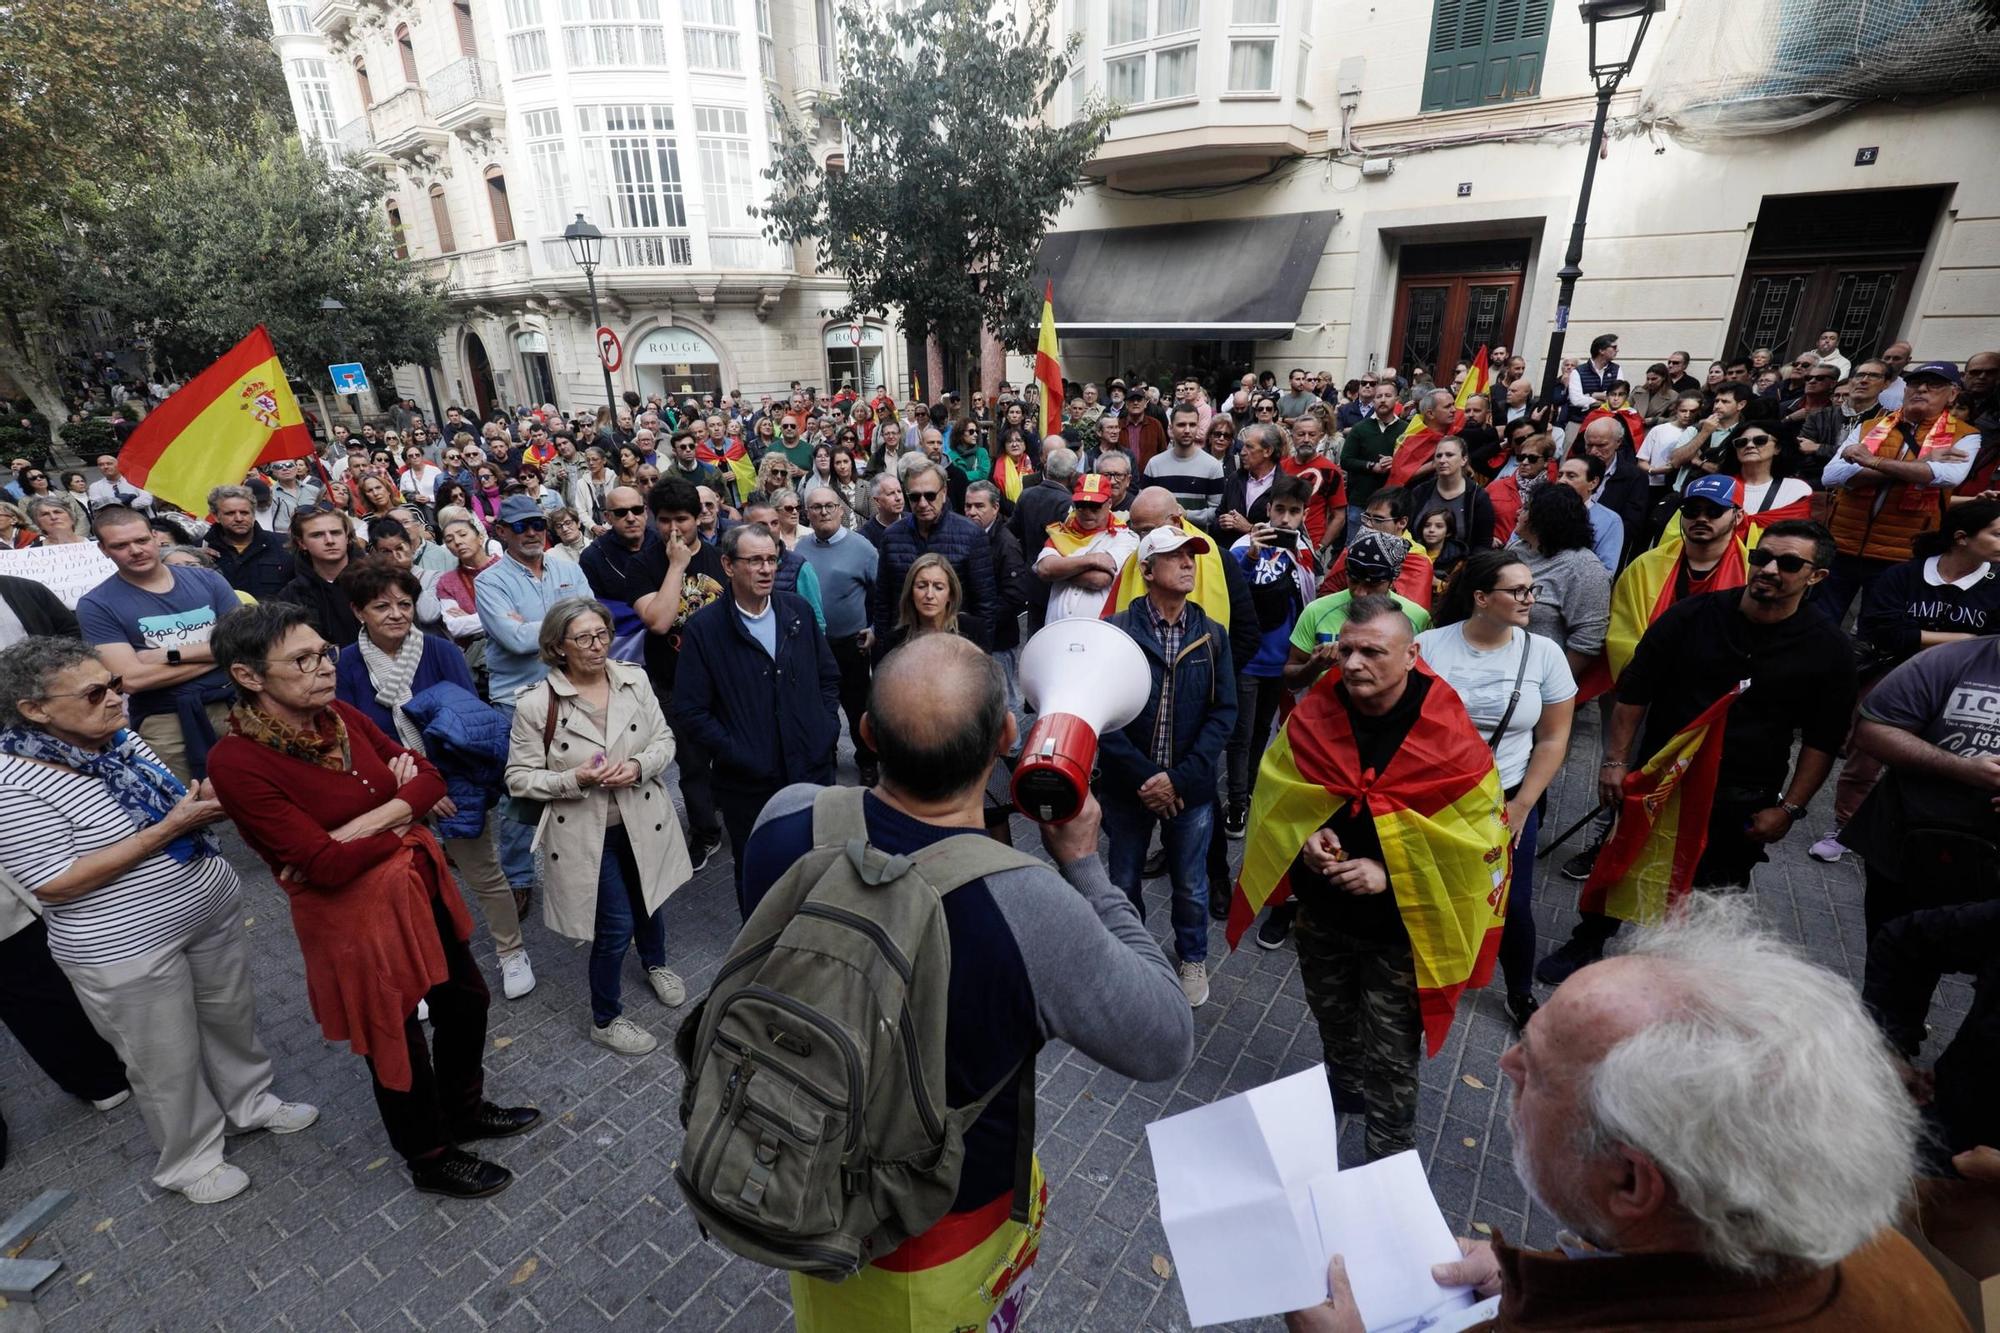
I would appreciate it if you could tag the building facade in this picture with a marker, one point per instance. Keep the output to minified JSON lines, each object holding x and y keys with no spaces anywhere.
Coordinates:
{"x":495,"y":123}
{"x":1346,"y":186}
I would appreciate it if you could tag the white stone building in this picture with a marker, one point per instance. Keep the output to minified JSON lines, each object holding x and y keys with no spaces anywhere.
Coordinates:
{"x":496,"y":122}
{"x":1343,"y":184}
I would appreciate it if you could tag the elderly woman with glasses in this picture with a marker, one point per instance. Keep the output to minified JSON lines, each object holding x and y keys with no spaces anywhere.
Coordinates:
{"x":142,"y":910}
{"x":335,"y":808}
{"x":592,"y":746}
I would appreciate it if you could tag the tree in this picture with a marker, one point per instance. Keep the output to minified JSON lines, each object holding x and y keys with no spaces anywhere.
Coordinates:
{"x":956,"y":173}
{"x":262,"y":233}
{"x":91,"y":96}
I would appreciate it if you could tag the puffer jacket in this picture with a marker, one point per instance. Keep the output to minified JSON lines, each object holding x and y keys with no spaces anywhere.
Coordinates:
{"x":467,"y":741}
{"x":959,"y":540}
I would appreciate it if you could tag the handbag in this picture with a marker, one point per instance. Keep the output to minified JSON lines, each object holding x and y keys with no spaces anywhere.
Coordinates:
{"x":527,"y":809}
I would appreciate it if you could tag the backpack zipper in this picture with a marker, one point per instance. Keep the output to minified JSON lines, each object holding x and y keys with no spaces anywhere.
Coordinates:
{"x":887,"y":947}
{"x":850,"y":1054}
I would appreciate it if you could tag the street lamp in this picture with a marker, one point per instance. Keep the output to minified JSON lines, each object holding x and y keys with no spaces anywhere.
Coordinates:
{"x":337,"y":310}
{"x":1607,"y":74}
{"x":586,"y":249}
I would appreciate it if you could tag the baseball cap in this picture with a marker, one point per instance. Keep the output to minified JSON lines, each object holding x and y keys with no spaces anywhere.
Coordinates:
{"x":1939,"y":370}
{"x":1715,"y":488}
{"x":1092,"y":488}
{"x":519,"y":509}
{"x":1167,"y":538}
{"x":1376,"y":555}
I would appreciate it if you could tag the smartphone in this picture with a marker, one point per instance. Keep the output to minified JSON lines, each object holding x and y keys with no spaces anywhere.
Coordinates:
{"x":1284,"y":538}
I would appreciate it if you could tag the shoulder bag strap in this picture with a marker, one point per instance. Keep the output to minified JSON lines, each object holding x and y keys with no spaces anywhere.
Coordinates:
{"x":1514,"y":700}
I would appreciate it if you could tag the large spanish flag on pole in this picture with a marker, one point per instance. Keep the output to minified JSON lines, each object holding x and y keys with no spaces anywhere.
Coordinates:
{"x":1648,"y":866}
{"x":1441,"y":816}
{"x":238,"y":413}
{"x":1642,"y":594}
{"x":732,"y":461}
{"x":1478,"y":379}
{"x":1048,"y":365}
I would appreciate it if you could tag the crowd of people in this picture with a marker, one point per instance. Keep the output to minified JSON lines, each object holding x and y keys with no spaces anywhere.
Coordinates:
{"x":1371,"y":613}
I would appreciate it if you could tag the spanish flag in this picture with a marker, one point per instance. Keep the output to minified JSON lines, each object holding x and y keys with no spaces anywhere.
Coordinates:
{"x":1211,"y":585}
{"x":1441,"y":816}
{"x":1648,"y":866}
{"x":232,"y":417}
{"x":1010,"y":476}
{"x":1478,"y":379}
{"x":1643,"y":593}
{"x":1068,"y":540}
{"x":1048,"y":364}
{"x":732,"y":461}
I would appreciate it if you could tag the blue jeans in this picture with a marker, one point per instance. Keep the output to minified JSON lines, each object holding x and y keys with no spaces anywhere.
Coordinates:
{"x":621,"y":923}
{"x":1517,"y":933}
{"x":1130,"y":828}
{"x":517,"y":840}
{"x":1355,"y":527}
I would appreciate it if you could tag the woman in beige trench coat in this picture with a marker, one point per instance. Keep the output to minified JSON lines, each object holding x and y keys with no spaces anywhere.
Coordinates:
{"x":611,"y":843}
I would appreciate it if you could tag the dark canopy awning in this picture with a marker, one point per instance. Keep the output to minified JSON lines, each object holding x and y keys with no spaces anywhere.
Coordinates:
{"x":1232,"y":278}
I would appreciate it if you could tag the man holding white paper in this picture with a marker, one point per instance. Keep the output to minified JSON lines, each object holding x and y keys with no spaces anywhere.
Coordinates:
{"x":1724,"y":1137}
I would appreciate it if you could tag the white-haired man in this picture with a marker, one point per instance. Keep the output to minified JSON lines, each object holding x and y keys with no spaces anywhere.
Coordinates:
{"x":1719,"y":1125}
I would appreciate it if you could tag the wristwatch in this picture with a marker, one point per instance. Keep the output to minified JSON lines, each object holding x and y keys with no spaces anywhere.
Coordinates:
{"x":1797,"y":812}
{"x":173,"y":657}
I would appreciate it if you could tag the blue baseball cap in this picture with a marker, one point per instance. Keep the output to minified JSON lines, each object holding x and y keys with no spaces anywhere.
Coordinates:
{"x":519,"y":509}
{"x":1714,"y":488}
{"x":1935,"y":370}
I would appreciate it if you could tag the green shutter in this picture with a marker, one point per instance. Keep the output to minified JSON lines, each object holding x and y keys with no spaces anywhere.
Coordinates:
{"x":1484,"y":52}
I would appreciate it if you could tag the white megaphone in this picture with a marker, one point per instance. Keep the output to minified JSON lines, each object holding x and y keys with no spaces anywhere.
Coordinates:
{"x":1083,"y":677}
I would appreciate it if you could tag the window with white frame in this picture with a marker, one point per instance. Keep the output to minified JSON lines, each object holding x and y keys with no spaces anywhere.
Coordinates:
{"x":604,"y":34}
{"x":548,"y":166}
{"x":710,"y":26}
{"x":292,"y":18}
{"x":527,"y":40}
{"x":722,"y":135}
{"x":316,"y":98}
{"x":1253,"y":46}
{"x":767,"y":49}
{"x":1150,"y":49}
{"x":632,"y":165}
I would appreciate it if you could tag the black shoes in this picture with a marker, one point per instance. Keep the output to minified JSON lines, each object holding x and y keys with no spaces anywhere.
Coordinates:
{"x":1219,"y":896}
{"x":457,"y":1174}
{"x":1579,"y":866}
{"x":1276,"y":925}
{"x":1521,"y":1006}
{"x":1156,"y":864}
{"x":699,"y":852}
{"x":496,"y":1122}
{"x":1567,"y":961}
{"x":1236,"y":821}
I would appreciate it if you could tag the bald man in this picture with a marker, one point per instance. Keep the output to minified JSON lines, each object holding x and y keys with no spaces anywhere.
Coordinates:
{"x":1036,"y":955}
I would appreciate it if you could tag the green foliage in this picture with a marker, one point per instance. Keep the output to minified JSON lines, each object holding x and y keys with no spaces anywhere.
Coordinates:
{"x":217,"y":243}
{"x":90,"y":437}
{"x":956,"y":170}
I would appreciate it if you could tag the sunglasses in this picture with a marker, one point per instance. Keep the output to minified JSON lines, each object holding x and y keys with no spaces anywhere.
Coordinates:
{"x":1789,"y":564}
{"x":94,"y":694}
{"x":530,"y":525}
{"x":1701,"y":509}
{"x":625,"y":511}
{"x":1753,"y":441}
{"x":924,"y":497}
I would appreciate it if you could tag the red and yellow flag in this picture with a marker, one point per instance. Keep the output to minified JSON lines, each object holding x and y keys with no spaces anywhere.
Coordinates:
{"x":732,"y":461}
{"x":1048,"y":364}
{"x":1643,"y":593}
{"x":1438,"y":810}
{"x":1648,"y":865}
{"x":1211,"y":585}
{"x":1010,"y":476}
{"x":238,"y":413}
{"x":1478,"y":378}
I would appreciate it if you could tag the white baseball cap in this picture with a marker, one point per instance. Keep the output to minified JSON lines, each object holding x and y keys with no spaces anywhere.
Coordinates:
{"x":1167,"y":538}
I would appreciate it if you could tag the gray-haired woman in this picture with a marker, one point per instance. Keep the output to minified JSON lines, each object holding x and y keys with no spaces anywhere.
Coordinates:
{"x":613,"y":845}
{"x":141,"y":910}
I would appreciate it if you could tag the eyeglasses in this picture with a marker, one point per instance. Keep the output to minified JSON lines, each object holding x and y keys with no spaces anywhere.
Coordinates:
{"x":307,"y":664}
{"x":823,"y":508}
{"x":1524,"y":594}
{"x":625,"y":511}
{"x":94,"y":694}
{"x":1752,"y":441}
{"x":1379,"y":520}
{"x":756,"y":561}
{"x":1529,"y":460}
{"x":1866,"y":375}
{"x":924,"y":497}
{"x":452,"y":458}
{"x":1789,"y":564}
{"x":596,"y":638}
{"x":529,"y":525}
{"x":1828,"y":376}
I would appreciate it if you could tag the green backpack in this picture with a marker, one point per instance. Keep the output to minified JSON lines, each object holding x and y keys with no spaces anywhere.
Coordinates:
{"x":818,"y":1138}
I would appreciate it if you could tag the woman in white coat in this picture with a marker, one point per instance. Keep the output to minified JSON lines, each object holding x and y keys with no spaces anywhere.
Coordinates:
{"x":612,"y":846}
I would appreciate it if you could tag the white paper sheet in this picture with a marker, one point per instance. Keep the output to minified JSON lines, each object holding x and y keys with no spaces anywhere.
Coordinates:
{"x":1384,"y":1222}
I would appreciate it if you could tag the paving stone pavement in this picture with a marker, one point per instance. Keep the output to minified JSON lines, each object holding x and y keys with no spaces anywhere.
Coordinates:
{"x":593,"y":1234}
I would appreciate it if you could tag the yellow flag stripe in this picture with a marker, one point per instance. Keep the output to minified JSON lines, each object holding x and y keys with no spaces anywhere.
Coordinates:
{"x":225,"y":438}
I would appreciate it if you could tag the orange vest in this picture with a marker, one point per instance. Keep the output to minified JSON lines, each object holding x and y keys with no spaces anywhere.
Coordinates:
{"x":1889,"y":531}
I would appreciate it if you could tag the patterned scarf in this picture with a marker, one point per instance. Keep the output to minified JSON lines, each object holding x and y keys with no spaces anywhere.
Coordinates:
{"x":324,"y":746}
{"x":391,"y":677}
{"x":142,"y":788}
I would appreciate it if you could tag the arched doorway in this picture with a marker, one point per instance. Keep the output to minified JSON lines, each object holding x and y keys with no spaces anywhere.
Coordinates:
{"x":677,"y":362}
{"x":479,"y":370}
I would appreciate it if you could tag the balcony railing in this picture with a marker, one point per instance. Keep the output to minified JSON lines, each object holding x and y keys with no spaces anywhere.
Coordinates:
{"x":489,"y":266}
{"x":399,"y":116}
{"x":462,"y":83}
{"x":628,"y":250}
{"x":740,"y":252}
{"x":356,"y":136}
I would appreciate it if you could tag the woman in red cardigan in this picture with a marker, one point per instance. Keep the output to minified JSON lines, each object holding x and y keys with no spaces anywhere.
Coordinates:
{"x":334,"y":807}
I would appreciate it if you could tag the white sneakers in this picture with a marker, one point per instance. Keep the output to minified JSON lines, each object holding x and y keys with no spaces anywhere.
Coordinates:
{"x":114,"y":1101}
{"x":517,"y":978}
{"x":225,"y":1182}
{"x":624,"y":1036}
{"x":672,"y":992}
{"x":1828,"y":848}
{"x":1194,"y":984}
{"x":291,"y":1117}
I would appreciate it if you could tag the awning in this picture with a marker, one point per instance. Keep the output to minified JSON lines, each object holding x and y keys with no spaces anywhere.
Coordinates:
{"x":1232,"y":278}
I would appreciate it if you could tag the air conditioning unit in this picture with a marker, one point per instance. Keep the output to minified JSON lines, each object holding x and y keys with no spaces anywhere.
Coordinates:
{"x":1377,"y":166}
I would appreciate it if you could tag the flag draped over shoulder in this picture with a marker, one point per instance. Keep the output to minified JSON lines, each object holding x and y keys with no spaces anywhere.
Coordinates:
{"x":1048,"y":364}
{"x":1068,"y":541}
{"x":1413,"y":449}
{"x":1010,"y":476}
{"x":732,"y":460}
{"x":1439,"y":812}
{"x":232,"y":417}
{"x":1643,"y":593}
{"x":1478,"y":379}
{"x":1648,"y":865}
{"x":1211,"y":586}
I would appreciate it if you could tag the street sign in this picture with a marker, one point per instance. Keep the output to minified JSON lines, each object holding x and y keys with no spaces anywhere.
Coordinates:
{"x":609,"y":349}
{"x":348,"y":377}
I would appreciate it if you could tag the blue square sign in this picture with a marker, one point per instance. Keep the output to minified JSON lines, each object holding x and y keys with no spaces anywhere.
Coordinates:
{"x":348,"y":378}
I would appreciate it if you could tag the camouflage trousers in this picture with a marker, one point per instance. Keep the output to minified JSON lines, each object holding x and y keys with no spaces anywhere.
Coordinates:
{"x":1363,"y":995}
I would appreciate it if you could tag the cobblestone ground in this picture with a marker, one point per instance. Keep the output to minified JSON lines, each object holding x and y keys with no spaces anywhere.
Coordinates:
{"x":593,"y":1234}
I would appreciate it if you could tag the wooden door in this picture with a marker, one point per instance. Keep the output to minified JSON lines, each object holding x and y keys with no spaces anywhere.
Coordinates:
{"x":1785,"y":306}
{"x":1444,"y":318}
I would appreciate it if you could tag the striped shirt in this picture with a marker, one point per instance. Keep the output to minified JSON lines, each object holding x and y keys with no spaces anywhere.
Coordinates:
{"x":54,"y":816}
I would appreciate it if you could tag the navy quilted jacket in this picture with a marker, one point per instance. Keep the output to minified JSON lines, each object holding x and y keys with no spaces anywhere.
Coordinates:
{"x":959,"y":540}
